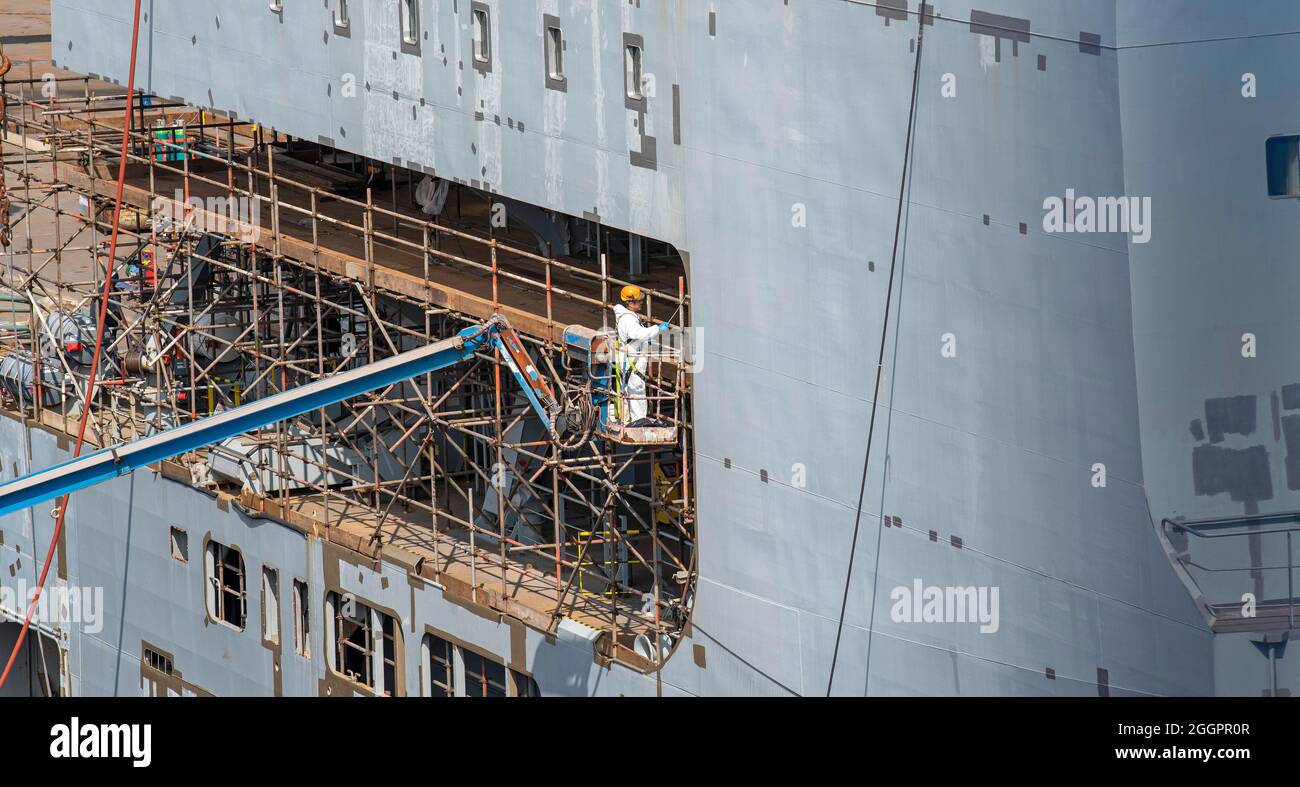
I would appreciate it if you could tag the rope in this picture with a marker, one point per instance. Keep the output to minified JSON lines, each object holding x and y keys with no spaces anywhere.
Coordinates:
{"x":884,"y":333}
{"x":99,"y":343}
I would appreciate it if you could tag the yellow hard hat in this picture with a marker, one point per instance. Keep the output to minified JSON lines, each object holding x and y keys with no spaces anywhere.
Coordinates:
{"x":631,"y":293}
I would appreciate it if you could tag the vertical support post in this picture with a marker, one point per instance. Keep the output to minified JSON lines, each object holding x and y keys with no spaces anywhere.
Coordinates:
{"x":36,"y":324}
{"x":320,"y":353}
{"x":428,"y":387}
{"x":636,"y":266}
{"x":473,"y":562}
{"x":498,"y":474}
{"x":604,"y":291}
{"x":558,"y":522}
{"x":392,"y":184}
{"x":496,"y":296}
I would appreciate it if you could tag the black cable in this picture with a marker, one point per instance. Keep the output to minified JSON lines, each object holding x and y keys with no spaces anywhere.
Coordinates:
{"x":884,"y":333}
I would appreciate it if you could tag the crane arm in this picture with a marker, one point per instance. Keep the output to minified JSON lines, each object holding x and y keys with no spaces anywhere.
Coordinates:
{"x":122,"y":459}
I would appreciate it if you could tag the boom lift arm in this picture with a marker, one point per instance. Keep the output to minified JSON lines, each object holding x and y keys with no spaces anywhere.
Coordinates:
{"x":122,"y":459}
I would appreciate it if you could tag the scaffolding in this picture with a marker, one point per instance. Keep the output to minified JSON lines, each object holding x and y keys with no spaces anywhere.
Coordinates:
{"x":251,"y":263}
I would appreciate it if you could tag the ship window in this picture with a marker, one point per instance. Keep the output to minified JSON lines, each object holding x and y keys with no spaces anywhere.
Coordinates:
{"x":482,"y":36}
{"x":525,"y":686}
{"x":388,"y":656}
{"x":270,"y":604}
{"x":301,"y":619}
{"x":442,"y":661}
{"x":226,"y":595}
{"x":555,"y":53}
{"x":1283,"y":166}
{"x":410,"y":21}
{"x":632,"y":68}
{"x":483,"y":677}
{"x":157,"y":661}
{"x":455,"y":671}
{"x":341,"y":13}
{"x":365,"y":644}
{"x":180,"y":545}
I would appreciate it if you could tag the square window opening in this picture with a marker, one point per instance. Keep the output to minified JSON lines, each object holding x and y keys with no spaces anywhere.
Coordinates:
{"x":1283,"y":155}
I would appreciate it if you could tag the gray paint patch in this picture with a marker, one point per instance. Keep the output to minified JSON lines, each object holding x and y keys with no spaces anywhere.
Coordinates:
{"x":648,"y":156}
{"x":1277,"y":415}
{"x":1229,"y":415}
{"x":1291,"y":433}
{"x":677,"y":114}
{"x":1012,"y":28}
{"x":1244,"y":474}
{"x":892,"y":9}
{"x":1291,"y":397}
{"x":1198,"y":431}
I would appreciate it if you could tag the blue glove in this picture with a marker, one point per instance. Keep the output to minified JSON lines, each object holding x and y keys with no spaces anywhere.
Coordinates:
{"x":663,"y":326}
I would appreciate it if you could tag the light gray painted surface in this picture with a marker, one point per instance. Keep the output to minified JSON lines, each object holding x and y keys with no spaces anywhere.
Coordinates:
{"x":1222,"y":259}
{"x":807,"y":104}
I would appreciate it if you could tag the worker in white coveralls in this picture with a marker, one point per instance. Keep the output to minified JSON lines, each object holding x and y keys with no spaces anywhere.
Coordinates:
{"x":633,"y":341}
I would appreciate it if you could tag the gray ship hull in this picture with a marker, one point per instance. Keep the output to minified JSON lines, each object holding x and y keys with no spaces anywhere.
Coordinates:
{"x":1021,"y":366}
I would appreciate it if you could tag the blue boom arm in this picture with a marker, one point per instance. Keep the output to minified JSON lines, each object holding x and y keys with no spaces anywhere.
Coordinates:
{"x":119,"y":460}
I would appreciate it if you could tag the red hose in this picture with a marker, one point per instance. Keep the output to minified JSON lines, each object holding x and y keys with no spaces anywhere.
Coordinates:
{"x":99,"y":343}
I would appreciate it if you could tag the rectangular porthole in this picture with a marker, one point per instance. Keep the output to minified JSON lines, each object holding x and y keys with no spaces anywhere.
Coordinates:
{"x":270,"y":605}
{"x":1283,"y":154}
{"x":180,"y":545}
{"x":409,"y":12}
{"x":441,"y":657}
{"x":632,"y":72}
{"x":410,"y":21}
{"x":301,"y":619}
{"x":363,"y":644}
{"x":482,"y":36}
{"x":553,"y":45}
{"x":158,"y":661}
{"x":227,"y":597}
{"x":555,"y":53}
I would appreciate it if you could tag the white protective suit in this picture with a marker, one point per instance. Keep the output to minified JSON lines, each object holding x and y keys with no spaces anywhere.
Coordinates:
{"x":431,"y":195}
{"x":633,"y":338}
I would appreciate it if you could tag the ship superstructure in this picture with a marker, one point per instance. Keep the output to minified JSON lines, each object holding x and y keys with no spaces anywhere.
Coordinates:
{"x":845,"y":211}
